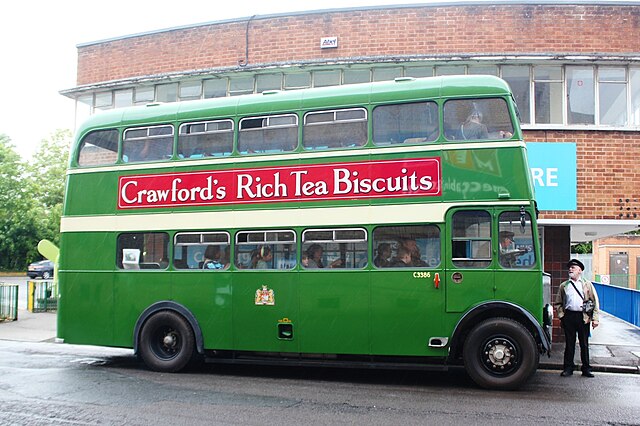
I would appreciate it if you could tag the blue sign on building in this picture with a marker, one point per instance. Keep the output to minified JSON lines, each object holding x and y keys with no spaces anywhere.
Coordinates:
{"x":553,"y":169}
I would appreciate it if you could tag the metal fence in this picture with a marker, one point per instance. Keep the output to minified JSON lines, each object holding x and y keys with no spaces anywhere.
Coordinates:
{"x":42,"y":296}
{"x":8,"y":302}
{"x":621,"y":302}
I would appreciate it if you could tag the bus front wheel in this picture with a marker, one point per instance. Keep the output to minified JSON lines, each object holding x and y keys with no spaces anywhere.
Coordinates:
{"x":500,"y":353}
{"x":167,"y":342}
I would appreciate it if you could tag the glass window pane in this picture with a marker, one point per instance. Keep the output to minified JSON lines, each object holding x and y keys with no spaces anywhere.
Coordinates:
{"x":215,"y":88}
{"x":326,"y":78}
{"x":384,"y":74}
{"x":257,"y":136}
{"x":354,"y":76}
{"x":142,"y":250}
{"x":104,"y":100}
{"x":99,"y":147}
{"x":581,"y":101}
{"x":418,"y":72}
{"x":330,"y":129}
{"x":406,"y":246}
{"x":333,"y":253}
{"x":548,"y":100}
{"x":518,"y":78}
{"x":613,"y":104}
{"x":482,"y":69}
{"x":190,"y":89}
{"x":279,"y":253}
{"x":207,"y":251}
{"x":477,"y":119}
{"x":471,"y":242}
{"x":634,"y":79}
{"x":450,"y":70}
{"x":266,"y":82}
{"x":300,"y":80}
{"x":147,"y":144}
{"x":405,"y":123}
{"x":167,"y":92}
{"x":205,"y":139}
{"x":123,"y":98}
{"x":515,"y":242}
{"x":143,"y":95}
{"x":547,"y":73}
{"x":611,"y":74}
{"x":240,"y":85}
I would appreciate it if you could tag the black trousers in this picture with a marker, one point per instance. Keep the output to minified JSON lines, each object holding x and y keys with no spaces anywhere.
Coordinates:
{"x":572,"y":324}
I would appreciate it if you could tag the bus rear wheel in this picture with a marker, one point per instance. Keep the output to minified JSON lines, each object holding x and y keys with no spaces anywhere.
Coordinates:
{"x":500,"y":353}
{"x":167,"y":342}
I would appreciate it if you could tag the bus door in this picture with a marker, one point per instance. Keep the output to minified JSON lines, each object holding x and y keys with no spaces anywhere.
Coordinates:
{"x":334,"y":292}
{"x":518,"y":275}
{"x":265,"y":292}
{"x":469,"y":276}
{"x":407,"y":292}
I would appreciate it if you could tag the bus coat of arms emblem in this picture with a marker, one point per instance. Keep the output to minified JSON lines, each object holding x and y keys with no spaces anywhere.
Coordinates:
{"x":265,"y":296}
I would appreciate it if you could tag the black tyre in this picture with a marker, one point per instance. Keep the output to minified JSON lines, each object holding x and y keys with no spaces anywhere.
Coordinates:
{"x":500,"y":353}
{"x":46,"y":275}
{"x":167,"y":342}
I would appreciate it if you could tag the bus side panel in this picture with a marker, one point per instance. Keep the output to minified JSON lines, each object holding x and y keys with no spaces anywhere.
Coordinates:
{"x":483,"y":174}
{"x":406,"y":312}
{"x":262,"y":300}
{"x":135,"y":291}
{"x":86,"y":288}
{"x":207,"y":295}
{"x":86,"y":308}
{"x":334,"y":311}
{"x":521,"y":287}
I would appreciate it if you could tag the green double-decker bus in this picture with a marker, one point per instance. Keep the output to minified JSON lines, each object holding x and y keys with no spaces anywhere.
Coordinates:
{"x":388,"y":224}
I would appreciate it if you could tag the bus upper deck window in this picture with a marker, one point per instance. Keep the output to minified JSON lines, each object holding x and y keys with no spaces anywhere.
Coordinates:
{"x":99,"y":147}
{"x":205,"y":139}
{"x":405,"y":123}
{"x":477,"y":119}
{"x":343,"y":128}
{"x":268,"y":134}
{"x":147,"y":143}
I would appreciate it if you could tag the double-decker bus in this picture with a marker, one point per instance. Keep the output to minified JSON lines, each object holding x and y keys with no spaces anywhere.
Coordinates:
{"x":381,"y":224}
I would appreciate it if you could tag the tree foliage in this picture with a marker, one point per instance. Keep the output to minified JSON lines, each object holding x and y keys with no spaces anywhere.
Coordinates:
{"x":31,"y":199}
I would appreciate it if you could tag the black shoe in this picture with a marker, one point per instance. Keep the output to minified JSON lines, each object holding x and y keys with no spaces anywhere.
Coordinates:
{"x":587,"y":374}
{"x":566,"y":373}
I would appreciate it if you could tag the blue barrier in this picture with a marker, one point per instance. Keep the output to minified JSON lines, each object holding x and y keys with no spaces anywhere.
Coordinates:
{"x":620,"y":302}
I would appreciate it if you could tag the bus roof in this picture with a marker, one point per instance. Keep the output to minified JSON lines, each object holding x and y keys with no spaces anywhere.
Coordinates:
{"x":273,"y":102}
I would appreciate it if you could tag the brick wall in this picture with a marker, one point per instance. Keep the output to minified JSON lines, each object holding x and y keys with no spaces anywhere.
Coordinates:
{"x":607,"y":173}
{"x":423,"y":31}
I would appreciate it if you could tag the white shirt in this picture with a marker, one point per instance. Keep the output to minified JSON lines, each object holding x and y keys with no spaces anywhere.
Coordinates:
{"x":574,"y":300}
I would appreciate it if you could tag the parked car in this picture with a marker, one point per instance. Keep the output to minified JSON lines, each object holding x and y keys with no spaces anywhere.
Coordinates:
{"x":42,"y":269}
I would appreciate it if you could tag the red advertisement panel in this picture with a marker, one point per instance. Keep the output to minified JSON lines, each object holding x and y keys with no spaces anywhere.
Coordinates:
{"x":318,"y":182}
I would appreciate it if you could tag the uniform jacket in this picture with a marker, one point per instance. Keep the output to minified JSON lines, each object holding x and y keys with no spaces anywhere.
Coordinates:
{"x":589,"y":293}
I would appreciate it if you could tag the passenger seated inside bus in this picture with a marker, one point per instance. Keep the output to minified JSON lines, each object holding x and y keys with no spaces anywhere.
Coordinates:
{"x":315,"y":252}
{"x":264,"y":258}
{"x":382,"y":259}
{"x":212,"y":258}
{"x":402,"y":259}
{"x":411,"y":246}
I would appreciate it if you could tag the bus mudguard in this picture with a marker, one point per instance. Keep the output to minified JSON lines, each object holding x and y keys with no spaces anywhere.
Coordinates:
{"x":168,"y":305}
{"x":493,"y":309}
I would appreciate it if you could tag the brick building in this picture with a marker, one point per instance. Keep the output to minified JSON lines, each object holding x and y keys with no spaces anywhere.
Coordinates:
{"x":574,"y":68}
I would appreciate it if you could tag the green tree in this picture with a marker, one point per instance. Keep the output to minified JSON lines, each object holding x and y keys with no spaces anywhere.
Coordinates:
{"x":18,"y":218}
{"x":31,"y":199}
{"x":48,"y":171}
